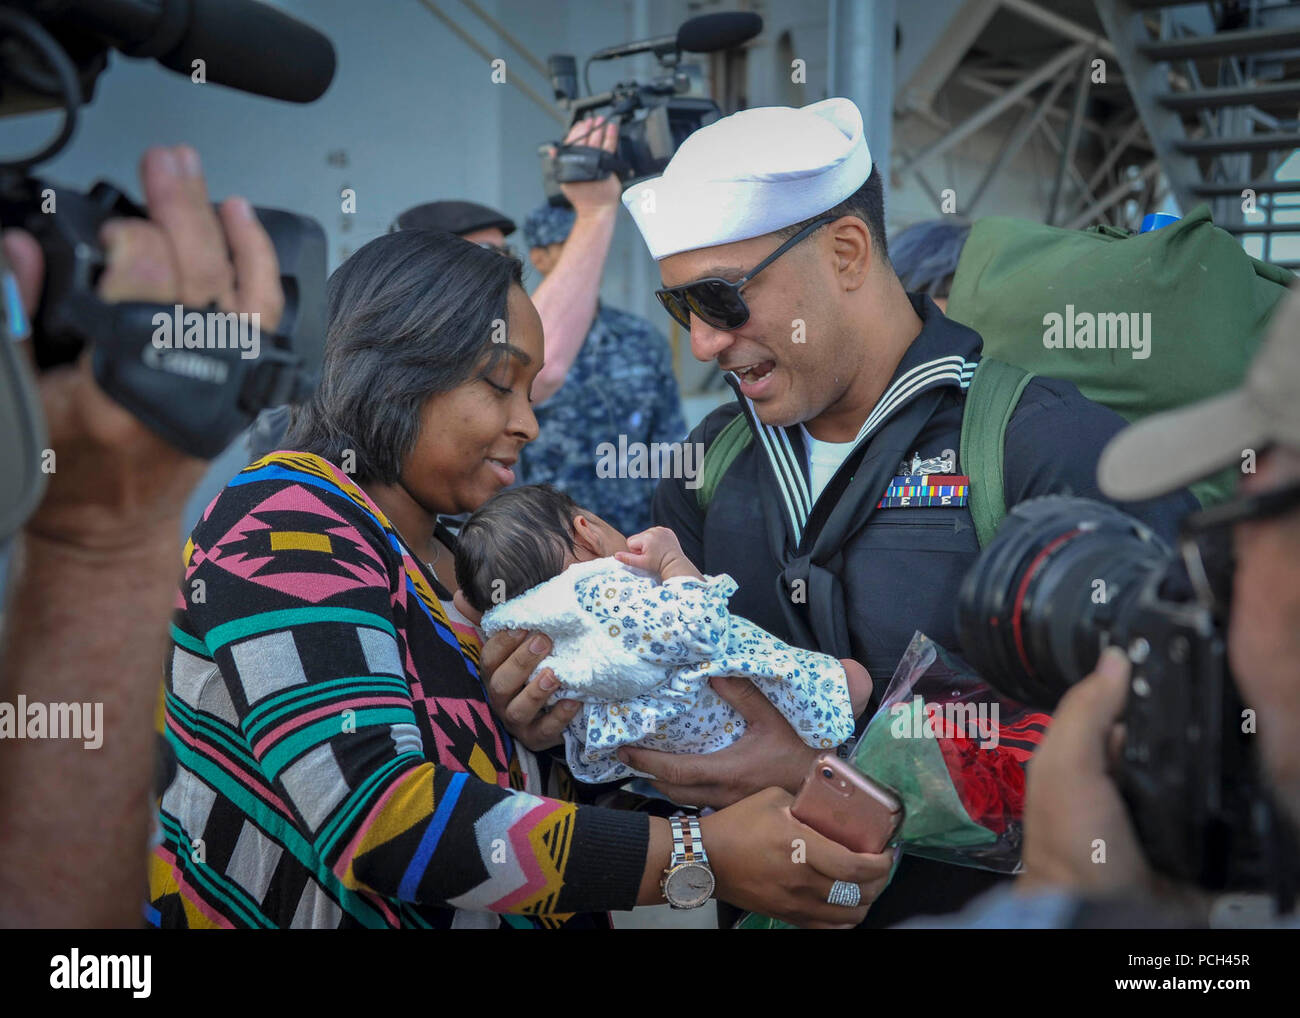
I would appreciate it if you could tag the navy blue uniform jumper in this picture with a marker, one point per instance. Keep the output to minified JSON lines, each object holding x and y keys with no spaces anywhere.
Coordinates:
{"x":873,"y":577}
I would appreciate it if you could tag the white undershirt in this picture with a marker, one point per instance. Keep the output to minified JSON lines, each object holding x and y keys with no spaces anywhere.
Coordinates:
{"x":824,"y":458}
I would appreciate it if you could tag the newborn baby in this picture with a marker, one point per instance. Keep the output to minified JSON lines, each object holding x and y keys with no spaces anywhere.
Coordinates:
{"x":636,"y":633}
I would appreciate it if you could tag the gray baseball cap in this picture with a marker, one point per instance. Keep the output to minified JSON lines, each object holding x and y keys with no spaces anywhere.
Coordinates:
{"x":1169,"y":450}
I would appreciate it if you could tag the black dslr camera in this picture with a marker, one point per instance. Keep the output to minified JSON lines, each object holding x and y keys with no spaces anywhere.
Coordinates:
{"x":1066,"y":577}
{"x":653,"y":119}
{"x":196,"y":388}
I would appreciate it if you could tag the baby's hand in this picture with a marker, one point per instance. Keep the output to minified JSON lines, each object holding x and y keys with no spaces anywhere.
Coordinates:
{"x":657,"y":551}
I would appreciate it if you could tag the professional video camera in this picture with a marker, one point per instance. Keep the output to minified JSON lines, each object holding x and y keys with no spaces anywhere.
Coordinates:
{"x":1066,"y":577}
{"x":51,"y":55}
{"x":653,"y":119}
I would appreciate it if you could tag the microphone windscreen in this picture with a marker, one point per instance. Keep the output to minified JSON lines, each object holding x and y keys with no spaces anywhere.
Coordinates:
{"x":710,"y":32}
{"x":256,"y":48}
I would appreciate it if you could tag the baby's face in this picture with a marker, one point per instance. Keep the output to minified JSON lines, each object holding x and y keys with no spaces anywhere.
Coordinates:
{"x":593,"y":538}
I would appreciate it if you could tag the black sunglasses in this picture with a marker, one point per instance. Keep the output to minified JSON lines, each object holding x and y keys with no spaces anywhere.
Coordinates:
{"x":716,"y":301}
{"x":1206,"y":540}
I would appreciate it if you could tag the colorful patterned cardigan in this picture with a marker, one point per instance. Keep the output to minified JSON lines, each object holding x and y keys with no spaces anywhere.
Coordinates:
{"x":335,"y":760}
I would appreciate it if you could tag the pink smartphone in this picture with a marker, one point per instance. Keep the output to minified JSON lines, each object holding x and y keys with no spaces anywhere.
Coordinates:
{"x":840,"y":802}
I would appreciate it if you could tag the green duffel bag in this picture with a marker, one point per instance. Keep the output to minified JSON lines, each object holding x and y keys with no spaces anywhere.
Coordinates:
{"x":1139,"y":322}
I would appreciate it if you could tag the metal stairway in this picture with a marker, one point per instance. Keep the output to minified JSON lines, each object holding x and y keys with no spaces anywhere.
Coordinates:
{"x":1217,"y":86}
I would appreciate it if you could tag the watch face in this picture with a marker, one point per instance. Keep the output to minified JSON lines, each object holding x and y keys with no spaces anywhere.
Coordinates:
{"x":688,"y":885}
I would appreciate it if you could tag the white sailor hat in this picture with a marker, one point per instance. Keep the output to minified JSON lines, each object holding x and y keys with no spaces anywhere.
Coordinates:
{"x":751,"y":173}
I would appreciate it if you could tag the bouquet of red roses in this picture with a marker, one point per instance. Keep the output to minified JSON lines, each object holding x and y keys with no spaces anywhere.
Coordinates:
{"x":954,"y":751}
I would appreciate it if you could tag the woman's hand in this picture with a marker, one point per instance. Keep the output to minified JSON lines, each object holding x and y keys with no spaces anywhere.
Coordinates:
{"x":766,"y":861}
{"x":507,"y":660}
{"x":769,"y":753}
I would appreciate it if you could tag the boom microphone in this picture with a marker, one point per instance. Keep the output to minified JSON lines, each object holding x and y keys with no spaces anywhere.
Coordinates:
{"x":705,"y":34}
{"x":243,"y":44}
{"x":253,"y":47}
{"x":711,"y":32}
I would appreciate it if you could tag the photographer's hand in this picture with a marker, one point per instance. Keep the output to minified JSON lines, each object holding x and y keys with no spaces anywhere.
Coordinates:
{"x":114,"y":480}
{"x":594,"y":196}
{"x":1078,"y":835}
{"x":96,"y":569}
{"x":566,"y":298}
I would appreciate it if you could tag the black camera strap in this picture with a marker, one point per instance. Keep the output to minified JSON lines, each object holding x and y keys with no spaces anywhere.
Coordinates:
{"x":198,"y":396}
{"x":575,"y":163}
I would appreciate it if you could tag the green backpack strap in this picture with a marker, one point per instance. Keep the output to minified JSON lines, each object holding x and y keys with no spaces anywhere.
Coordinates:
{"x":991,"y":399}
{"x":730,"y":443}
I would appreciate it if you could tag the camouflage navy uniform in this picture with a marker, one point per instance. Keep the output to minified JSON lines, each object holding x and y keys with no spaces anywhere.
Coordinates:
{"x":621,"y":383}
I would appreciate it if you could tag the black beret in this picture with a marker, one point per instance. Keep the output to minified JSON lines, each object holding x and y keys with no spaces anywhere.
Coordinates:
{"x":458,"y":217}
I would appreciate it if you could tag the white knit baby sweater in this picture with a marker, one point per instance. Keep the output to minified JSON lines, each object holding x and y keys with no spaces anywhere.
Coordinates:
{"x":638,"y":653}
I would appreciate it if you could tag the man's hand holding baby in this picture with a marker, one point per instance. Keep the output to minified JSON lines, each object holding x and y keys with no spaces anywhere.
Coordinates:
{"x":658,"y":551}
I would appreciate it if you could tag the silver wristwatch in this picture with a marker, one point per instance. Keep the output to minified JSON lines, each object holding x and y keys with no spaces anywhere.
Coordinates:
{"x":688,"y":880}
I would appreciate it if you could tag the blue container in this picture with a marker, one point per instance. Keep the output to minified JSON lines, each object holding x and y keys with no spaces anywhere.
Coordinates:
{"x":1155,"y":220}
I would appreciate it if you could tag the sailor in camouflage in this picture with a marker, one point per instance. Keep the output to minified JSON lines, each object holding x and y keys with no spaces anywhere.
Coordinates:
{"x":621,"y":383}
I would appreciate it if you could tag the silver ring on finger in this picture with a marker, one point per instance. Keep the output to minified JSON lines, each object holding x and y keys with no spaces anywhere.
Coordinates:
{"x":844,"y":893}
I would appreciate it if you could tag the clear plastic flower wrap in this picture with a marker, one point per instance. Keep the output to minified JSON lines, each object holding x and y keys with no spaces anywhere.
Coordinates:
{"x":954,"y":751}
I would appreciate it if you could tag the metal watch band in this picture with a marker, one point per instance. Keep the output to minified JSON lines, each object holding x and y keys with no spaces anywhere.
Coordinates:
{"x":694,"y":841}
{"x":688,"y":854}
{"x":688,"y":843}
{"x":679,"y":844}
